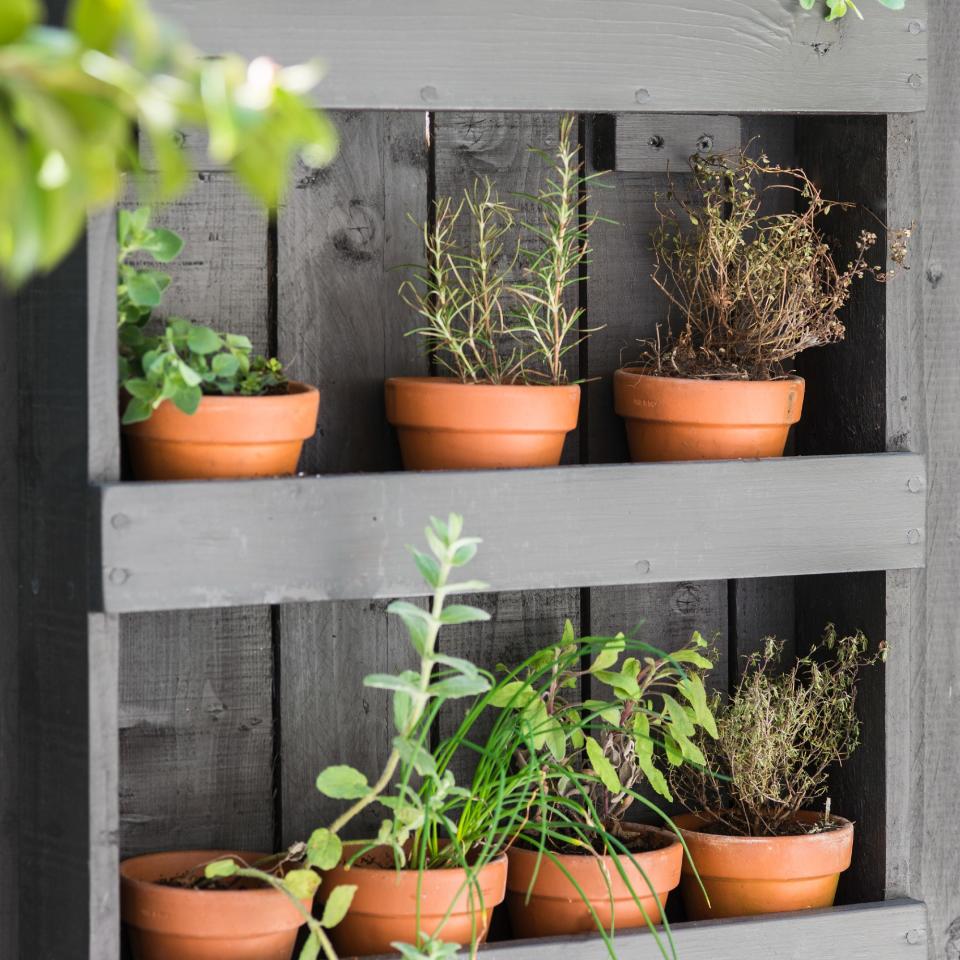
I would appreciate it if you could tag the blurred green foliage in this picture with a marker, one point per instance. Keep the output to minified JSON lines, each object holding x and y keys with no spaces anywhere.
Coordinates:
{"x":73,"y":98}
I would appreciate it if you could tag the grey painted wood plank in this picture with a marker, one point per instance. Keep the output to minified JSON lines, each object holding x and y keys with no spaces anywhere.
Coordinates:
{"x":649,"y":143}
{"x":905,"y":589}
{"x":895,"y":930}
{"x":940,"y":651}
{"x":341,"y":234}
{"x":196,"y":727}
{"x":606,"y":55}
{"x":66,"y":666}
{"x":196,"y":730}
{"x":195,"y":543}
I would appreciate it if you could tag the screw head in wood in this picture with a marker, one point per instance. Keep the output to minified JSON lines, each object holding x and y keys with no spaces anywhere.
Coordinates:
{"x":428,"y":94}
{"x":915,"y":484}
{"x":704,"y":144}
{"x":641,"y":95}
{"x":916,"y":936}
{"x":119,"y":520}
{"x":118,"y":576}
{"x":657,"y":142}
{"x":915,"y":81}
{"x":643,"y":566}
{"x":915,"y":27}
{"x":913,"y":535}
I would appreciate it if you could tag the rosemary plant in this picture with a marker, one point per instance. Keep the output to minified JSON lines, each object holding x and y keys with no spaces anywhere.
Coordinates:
{"x":479,"y":325}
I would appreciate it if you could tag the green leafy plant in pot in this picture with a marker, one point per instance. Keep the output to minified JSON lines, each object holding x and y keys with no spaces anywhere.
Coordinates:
{"x":419,"y":885}
{"x":198,"y":403}
{"x":576,"y":865}
{"x":505,"y":399}
{"x":758,"y":843}
{"x":747,"y":291}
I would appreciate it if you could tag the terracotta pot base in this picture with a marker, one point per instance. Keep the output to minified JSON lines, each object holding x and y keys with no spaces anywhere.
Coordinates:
{"x":385,"y":904}
{"x":165,"y":922}
{"x":443,"y":424}
{"x":555,"y":907}
{"x":671,"y":418}
{"x":748,"y":876}
{"x":227,"y":437}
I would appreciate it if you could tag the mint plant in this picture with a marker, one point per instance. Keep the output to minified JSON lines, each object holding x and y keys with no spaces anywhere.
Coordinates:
{"x":185,"y":360}
{"x":417,"y":698}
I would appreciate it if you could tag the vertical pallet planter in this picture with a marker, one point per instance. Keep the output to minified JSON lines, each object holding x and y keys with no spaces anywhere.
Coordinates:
{"x":228,"y":618}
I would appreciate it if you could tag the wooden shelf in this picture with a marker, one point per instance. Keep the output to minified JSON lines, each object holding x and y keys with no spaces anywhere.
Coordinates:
{"x":895,"y":930}
{"x":606,"y":55}
{"x":206,"y":544}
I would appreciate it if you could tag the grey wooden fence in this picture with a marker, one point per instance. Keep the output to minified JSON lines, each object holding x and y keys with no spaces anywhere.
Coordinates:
{"x":190,"y":655}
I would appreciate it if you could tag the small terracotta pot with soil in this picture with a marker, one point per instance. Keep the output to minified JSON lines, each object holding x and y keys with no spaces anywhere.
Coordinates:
{"x":746,"y":876}
{"x":443,"y":424}
{"x":384,"y":907}
{"x":165,"y":921}
{"x":673,"y":418}
{"x":227,"y":437}
{"x":555,"y":907}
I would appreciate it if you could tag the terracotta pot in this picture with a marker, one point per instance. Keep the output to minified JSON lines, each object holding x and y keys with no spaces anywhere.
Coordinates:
{"x":384,"y":908}
{"x":556,"y":908}
{"x":171,"y":922}
{"x":745,"y":876}
{"x":443,"y":424}
{"x":226,"y":437}
{"x":671,"y":418}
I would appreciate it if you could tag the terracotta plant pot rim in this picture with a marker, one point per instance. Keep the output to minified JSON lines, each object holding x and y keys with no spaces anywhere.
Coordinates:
{"x":241,"y":913}
{"x":736,"y":857}
{"x":275,"y":418}
{"x":425,"y":402}
{"x":685,"y":400}
{"x":375,"y":883}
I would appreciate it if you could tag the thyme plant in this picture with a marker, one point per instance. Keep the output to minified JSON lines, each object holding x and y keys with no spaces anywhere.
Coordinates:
{"x":777,"y":737}
{"x":481,"y":326}
{"x":750,"y":289}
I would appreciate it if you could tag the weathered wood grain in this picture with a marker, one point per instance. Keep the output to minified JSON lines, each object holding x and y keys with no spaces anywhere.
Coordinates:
{"x":606,"y":55}
{"x":939,"y":654}
{"x":196,"y":730}
{"x":67,"y":772}
{"x":196,"y":687}
{"x":341,"y":326}
{"x":647,"y":143}
{"x":344,"y":537}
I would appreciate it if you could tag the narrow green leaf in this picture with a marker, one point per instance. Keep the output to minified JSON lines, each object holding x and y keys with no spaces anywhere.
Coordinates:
{"x":458,"y":613}
{"x":337,"y":905}
{"x":219,"y":869}
{"x":602,"y":767}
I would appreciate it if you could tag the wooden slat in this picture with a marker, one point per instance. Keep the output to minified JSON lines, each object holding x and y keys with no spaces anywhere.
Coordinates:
{"x":196,"y":688}
{"x":340,"y":236}
{"x":895,"y":930}
{"x":935,"y":792}
{"x":67,"y":669}
{"x":647,"y":143}
{"x":603,"y":55}
{"x":195,"y":544}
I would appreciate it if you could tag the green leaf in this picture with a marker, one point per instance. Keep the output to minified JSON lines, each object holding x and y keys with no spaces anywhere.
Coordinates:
{"x":608,"y":655}
{"x":607,"y":711}
{"x":602,"y":767}
{"x":311,"y":948}
{"x":219,"y":869}
{"x":464,"y":553}
{"x":624,"y":685}
{"x":417,"y":621}
{"x":337,"y":905}
{"x":556,"y":739}
{"x":458,"y":613}
{"x":188,"y":399}
{"x":414,"y":755}
{"x":894,"y":4}
{"x":98,"y":23}
{"x":16,"y":16}
{"x":224,"y":365}
{"x":203,"y":340}
{"x":654,"y":777}
{"x":428,"y":566}
{"x":692,"y":689}
{"x":341,"y":782}
{"x":301,"y":883}
{"x":238,"y":341}
{"x":402,"y":710}
{"x":405,"y":682}
{"x":163,"y":244}
{"x":143,"y":290}
{"x":190,"y":376}
{"x":514,"y":693}
{"x":324,"y":849}
{"x":451,"y":688}
{"x":680,"y":723}
{"x":136,"y":411}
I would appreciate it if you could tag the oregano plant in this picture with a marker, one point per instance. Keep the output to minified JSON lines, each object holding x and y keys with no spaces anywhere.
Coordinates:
{"x":184,"y":360}
{"x":417,"y":697}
